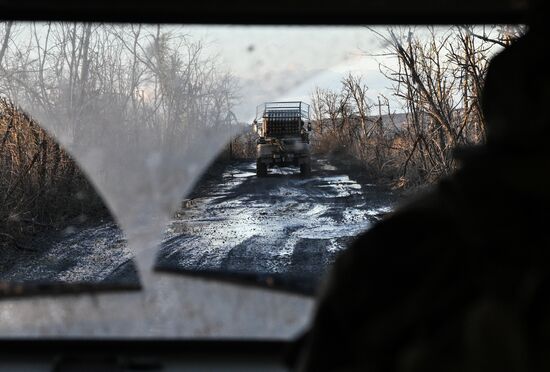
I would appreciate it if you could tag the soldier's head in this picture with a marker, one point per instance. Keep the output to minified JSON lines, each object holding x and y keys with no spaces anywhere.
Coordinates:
{"x":517,"y":91}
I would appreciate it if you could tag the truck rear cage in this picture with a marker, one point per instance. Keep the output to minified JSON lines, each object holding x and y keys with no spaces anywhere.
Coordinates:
{"x":290,"y":110}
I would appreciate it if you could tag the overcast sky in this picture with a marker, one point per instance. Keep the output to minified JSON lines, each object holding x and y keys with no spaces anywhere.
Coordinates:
{"x":288,"y":62}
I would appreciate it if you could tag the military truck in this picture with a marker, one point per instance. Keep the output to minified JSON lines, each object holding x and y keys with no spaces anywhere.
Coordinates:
{"x":283,"y":129}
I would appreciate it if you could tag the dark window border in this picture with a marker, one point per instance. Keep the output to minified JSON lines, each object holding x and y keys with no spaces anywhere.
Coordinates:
{"x":305,"y":12}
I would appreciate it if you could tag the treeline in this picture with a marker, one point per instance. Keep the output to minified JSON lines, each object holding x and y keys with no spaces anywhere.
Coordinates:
{"x":129,"y":101}
{"x":439,"y":78}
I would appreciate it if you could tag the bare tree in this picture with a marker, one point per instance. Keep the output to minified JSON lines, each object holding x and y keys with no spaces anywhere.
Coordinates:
{"x":142,"y":88}
{"x":438,"y":76}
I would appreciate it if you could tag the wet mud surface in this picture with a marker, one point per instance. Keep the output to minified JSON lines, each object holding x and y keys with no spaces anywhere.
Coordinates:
{"x":283,"y":230}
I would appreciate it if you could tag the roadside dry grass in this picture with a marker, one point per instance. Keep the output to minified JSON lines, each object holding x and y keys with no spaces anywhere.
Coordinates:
{"x":41,"y":187}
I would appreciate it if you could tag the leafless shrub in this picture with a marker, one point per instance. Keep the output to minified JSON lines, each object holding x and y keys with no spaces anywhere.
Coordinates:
{"x":40,"y":185}
{"x":243,"y":146}
{"x":344,"y":125}
{"x":439,"y":78}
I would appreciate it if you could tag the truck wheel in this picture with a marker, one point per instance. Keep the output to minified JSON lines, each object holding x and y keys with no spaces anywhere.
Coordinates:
{"x":305,"y":169}
{"x":261,"y":169}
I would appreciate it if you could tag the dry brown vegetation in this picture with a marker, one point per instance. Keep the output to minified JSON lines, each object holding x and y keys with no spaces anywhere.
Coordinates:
{"x":243,"y":146}
{"x":130,"y":90}
{"x":439,"y":78}
{"x":41,"y":187}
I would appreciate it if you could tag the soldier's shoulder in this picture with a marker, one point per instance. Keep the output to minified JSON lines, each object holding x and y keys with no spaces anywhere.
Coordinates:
{"x":422,"y":217}
{"x":406,"y":242}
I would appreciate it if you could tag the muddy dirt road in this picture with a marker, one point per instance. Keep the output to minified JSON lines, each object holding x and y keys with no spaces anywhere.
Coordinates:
{"x":281,"y":227}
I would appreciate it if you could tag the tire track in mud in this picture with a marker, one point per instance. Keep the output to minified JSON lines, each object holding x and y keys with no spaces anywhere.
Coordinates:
{"x":282,"y":224}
